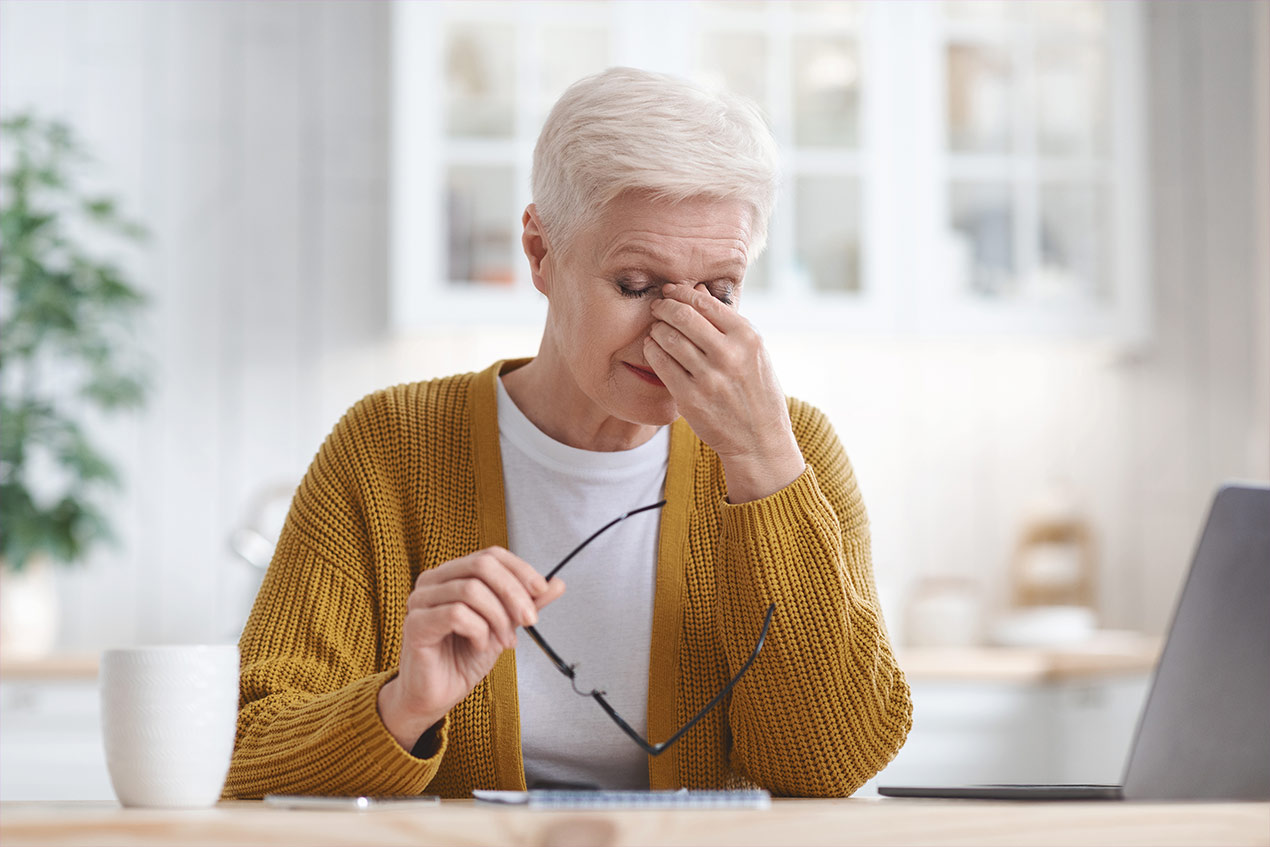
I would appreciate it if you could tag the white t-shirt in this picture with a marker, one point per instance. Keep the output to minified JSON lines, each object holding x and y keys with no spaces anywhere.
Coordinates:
{"x":556,"y":497}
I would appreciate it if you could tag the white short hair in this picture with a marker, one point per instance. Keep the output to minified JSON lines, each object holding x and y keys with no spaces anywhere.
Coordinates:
{"x":627,"y":130}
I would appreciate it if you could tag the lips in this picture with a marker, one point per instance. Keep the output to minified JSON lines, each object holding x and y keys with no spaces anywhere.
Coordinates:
{"x":644,"y":374}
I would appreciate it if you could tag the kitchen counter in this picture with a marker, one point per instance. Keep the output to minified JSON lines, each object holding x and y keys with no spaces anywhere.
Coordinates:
{"x":1103,"y":655}
{"x":1107,"y":653}
{"x":59,"y":666}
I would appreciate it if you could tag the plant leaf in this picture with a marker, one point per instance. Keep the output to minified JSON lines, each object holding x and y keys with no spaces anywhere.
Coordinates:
{"x":65,"y":314}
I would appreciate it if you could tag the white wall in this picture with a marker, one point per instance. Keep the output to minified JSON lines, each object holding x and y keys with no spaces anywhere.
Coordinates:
{"x":253,"y":138}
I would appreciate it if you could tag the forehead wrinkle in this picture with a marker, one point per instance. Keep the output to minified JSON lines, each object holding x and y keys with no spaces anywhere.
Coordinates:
{"x":730,"y":265}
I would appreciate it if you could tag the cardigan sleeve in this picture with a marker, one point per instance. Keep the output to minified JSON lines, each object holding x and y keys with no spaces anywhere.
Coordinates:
{"x":311,"y":666}
{"x":825,"y":706}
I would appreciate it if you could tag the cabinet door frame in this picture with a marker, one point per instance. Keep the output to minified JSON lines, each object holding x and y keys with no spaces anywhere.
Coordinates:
{"x":899,"y":166}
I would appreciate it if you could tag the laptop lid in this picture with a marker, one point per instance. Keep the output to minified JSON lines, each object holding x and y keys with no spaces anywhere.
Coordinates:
{"x":1205,"y":731}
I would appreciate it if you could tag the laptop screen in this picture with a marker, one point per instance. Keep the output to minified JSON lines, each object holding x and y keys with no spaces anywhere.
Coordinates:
{"x":1205,"y":730}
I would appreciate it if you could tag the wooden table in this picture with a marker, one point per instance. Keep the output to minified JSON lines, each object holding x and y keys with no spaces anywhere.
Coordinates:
{"x":793,"y":822}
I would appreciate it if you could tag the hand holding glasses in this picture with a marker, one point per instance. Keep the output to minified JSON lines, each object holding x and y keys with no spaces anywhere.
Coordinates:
{"x":569,"y":670}
{"x":460,"y":617}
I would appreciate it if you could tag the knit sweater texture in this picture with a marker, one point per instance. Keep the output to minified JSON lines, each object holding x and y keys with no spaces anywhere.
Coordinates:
{"x":411,"y":478}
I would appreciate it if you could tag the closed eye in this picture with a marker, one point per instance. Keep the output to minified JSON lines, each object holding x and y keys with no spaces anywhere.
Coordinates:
{"x":636,"y":286}
{"x":634,"y":292}
{"x":722,"y":291}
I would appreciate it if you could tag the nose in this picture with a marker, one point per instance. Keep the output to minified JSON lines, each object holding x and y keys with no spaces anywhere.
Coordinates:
{"x":696,"y":286}
{"x":658,"y":295}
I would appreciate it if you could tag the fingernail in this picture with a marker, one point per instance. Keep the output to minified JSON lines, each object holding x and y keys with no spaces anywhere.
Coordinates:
{"x":532,"y":617}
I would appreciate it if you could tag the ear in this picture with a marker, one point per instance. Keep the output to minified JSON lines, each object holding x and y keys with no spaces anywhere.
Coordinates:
{"x":537,"y":250}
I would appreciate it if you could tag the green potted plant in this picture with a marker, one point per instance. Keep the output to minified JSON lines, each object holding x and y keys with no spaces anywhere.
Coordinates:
{"x":68,"y":351}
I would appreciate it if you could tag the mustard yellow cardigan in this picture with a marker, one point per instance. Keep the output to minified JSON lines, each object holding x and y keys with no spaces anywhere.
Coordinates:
{"x":411,"y":478}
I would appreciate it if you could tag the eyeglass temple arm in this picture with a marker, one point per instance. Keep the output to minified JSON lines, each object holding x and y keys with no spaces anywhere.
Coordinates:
{"x":566,"y":669}
{"x":656,"y":749}
{"x":596,"y":534}
{"x":560,"y":664}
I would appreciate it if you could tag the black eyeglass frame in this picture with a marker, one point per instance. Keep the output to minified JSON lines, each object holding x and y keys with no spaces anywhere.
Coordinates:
{"x":597,"y":695}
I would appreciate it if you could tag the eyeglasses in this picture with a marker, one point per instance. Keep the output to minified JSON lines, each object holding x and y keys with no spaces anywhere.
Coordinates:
{"x":570,"y":670}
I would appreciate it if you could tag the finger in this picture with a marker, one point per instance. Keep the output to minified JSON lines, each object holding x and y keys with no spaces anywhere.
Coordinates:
{"x":680,"y":347}
{"x":724,"y":317}
{"x":429,"y":627}
{"x":474,"y":594}
{"x":528,"y":576}
{"x":493,"y":618}
{"x":493,"y":566}
{"x":466,"y":624}
{"x":695,"y":328}
{"x":555,"y":589}
{"x":668,"y":369}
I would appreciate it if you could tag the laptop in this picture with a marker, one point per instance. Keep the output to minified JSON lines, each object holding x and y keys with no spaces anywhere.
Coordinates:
{"x":1204,"y":733}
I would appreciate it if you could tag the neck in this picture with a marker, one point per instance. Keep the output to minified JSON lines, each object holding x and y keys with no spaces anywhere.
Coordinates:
{"x":546,"y":392}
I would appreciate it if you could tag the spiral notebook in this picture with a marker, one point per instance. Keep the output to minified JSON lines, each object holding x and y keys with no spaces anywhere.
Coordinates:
{"x":603,"y":800}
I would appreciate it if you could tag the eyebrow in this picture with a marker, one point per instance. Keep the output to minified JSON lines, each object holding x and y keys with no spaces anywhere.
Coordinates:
{"x":720,"y":272}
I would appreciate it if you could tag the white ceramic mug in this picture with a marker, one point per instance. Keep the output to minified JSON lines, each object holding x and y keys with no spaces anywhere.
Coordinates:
{"x":168,"y":719}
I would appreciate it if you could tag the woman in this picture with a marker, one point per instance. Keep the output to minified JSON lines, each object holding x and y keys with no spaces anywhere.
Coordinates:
{"x":379,"y":658}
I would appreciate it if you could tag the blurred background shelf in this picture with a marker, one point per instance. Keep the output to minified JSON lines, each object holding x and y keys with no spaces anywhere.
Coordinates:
{"x":1108,"y":653}
{"x":59,"y":666}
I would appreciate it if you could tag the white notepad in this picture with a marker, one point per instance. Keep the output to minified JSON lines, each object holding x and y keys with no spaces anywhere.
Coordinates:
{"x":599,"y":800}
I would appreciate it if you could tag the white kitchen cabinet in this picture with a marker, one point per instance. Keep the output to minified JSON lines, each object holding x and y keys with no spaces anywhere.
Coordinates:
{"x":948,"y":167}
{"x":50,"y":740}
{"x":1019,"y":725}
{"x":979,"y":716}
{"x":1096,"y":722}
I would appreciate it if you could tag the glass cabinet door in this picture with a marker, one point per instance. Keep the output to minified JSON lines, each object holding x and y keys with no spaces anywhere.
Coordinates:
{"x":946,"y":165}
{"x":1034,"y":185}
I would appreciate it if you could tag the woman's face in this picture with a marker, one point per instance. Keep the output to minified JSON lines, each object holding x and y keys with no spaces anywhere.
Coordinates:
{"x":601,"y":290}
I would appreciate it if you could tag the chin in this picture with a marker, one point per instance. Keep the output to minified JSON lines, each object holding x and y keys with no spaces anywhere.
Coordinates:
{"x":649,"y":412}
